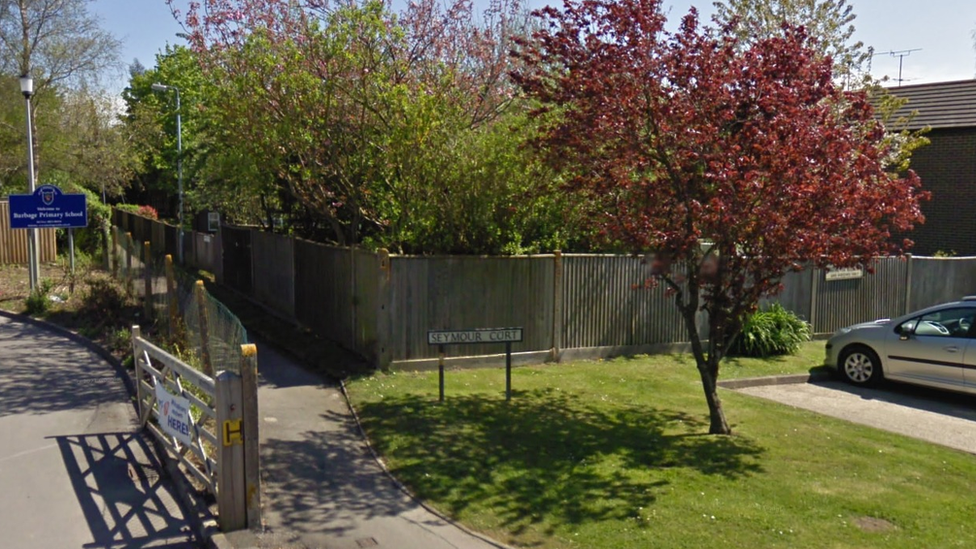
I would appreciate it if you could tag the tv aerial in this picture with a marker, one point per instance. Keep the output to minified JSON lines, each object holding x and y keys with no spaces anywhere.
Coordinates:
{"x":901,"y":55}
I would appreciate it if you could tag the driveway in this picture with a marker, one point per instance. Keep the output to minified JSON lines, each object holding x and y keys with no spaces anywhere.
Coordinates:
{"x":940,"y":417}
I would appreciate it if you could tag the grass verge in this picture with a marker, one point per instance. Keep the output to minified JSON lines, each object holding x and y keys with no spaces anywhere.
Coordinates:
{"x":611,"y":454}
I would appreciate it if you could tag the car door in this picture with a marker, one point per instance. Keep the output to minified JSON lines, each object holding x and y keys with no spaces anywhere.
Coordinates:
{"x":931,"y":349}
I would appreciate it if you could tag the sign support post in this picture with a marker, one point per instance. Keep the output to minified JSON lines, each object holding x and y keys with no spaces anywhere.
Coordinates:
{"x":440,"y":368}
{"x":475,"y":336}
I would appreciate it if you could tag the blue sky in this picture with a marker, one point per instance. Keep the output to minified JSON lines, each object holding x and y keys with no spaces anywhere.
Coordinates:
{"x":940,"y":29}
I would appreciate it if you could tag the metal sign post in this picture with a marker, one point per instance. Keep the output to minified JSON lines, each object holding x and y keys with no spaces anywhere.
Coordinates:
{"x":475,"y":336}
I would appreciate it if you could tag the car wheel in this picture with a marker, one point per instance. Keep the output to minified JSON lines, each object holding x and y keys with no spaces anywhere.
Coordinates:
{"x":860,"y":366}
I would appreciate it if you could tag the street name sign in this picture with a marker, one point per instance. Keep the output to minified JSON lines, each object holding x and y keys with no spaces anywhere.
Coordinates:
{"x":48,"y":208}
{"x":850,"y":273}
{"x":478,"y":335}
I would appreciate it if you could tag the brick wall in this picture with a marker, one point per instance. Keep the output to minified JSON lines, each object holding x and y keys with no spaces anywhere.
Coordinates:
{"x":948,"y":170}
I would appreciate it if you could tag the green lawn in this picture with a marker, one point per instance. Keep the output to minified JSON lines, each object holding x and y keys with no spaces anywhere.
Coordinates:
{"x":611,"y":454}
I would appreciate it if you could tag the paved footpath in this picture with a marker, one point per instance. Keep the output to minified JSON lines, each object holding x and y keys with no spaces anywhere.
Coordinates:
{"x":75,"y":472}
{"x":322,"y":487}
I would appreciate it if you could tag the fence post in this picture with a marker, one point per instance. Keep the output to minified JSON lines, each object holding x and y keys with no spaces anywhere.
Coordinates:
{"x":201,"y":294}
{"x":908,"y":285}
{"x":384,"y":343}
{"x":109,"y":248}
{"x":353,"y":317}
{"x":171,"y":301}
{"x":814,"y":286}
{"x":231,"y":511}
{"x":147,"y":276}
{"x":116,"y":256}
{"x":128,"y":262}
{"x":252,"y":455}
{"x":557,"y":305}
{"x":140,"y":396}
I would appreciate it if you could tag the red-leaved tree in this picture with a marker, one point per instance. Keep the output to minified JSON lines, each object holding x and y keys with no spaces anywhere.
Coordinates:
{"x":733,"y":165}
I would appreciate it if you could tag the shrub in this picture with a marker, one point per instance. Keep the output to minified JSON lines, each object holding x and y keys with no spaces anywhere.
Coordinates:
{"x":37,"y":302}
{"x":144,"y":211}
{"x":148,"y":211}
{"x":771,"y":332}
{"x":104,"y":300}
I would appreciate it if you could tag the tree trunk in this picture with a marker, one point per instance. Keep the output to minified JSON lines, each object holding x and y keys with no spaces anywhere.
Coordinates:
{"x":717,"y":423}
{"x":706,"y":369}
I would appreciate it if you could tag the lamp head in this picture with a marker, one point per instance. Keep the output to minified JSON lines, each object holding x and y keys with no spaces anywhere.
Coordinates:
{"x":27,"y":86}
{"x":160,"y":87}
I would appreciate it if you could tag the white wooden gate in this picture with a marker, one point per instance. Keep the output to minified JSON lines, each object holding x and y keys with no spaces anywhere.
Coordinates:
{"x":222,"y":431}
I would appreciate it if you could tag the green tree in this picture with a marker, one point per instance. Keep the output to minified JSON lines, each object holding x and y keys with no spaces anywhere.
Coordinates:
{"x":149,"y":125}
{"x":363,"y":126}
{"x":828,"y":22}
{"x":61,"y":45}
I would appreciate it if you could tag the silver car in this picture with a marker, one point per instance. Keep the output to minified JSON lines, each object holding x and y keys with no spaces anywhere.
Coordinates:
{"x":935,"y":347}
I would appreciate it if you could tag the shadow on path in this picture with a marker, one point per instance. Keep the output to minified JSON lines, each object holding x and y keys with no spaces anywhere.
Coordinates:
{"x":126,"y":504}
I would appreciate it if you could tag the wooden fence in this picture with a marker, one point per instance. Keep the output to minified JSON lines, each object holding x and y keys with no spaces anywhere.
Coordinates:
{"x":13,"y":242}
{"x":569,"y":305}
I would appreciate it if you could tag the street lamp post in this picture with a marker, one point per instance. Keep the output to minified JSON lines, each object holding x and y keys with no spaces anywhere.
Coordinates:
{"x":33,"y":267}
{"x":179,"y":164}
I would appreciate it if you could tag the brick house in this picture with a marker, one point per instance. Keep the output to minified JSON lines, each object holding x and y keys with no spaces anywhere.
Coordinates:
{"x":947,"y":166}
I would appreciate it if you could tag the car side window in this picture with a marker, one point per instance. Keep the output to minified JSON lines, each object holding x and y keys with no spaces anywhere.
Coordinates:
{"x":944,"y":323}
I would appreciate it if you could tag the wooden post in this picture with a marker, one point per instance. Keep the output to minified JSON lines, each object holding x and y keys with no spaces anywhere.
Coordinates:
{"x":136,"y":334}
{"x":557,"y":305}
{"x":908,"y":285}
{"x":147,"y":276}
{"x":109,"y":248}
{"x":814,"y":288}
{"x":172,"y":303}
{"x":115,"y":253}
{"x":252,"y":452}
{"x":201,"y":293}
{"x":353,"y":316}
{"x":128,"y":262}
{"x":231,"y":497}
{"x":384,"y":339}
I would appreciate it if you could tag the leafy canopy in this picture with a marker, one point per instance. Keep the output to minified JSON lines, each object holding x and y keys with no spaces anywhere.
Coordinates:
{"x":732,"y":162}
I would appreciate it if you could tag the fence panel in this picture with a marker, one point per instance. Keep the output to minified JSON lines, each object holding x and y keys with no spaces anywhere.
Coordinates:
{"x":366,"y":301}
{"x":797,"y":293}
{"x":158,"y":237}
{"x":939,"y":279}
{"x":606,"y":305}
{"x":844,"y":302}
{"x":204,"y":254}
{"x":324,"y":291}
{"x":430,"y":293}
{"x":273,"y":259}
{"x":237,"y":258}
{"x":13,"y":242}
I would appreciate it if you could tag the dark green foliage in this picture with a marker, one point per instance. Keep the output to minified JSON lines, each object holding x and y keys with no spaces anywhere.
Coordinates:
{"x":771,"y":332}
{"x":37,"y":302}
{"x":104,"y":300}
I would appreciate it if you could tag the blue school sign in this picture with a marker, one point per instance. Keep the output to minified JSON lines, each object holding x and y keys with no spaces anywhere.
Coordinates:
{"x":48,"y":208}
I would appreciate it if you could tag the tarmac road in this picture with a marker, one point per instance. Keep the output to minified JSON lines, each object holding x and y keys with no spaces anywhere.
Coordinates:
{"x":75,"y":472}
{"x":940,"y":417}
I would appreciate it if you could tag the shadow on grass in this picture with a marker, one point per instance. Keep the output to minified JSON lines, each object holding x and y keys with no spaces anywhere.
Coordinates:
{"x":546,"y":456}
